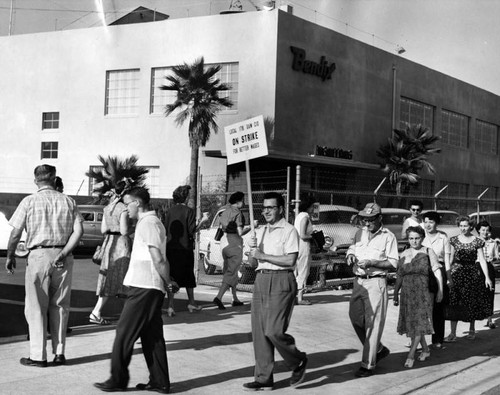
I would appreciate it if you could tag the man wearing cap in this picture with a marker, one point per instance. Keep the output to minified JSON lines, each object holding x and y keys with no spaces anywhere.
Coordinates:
{"x":374,"y":252}
{"x":53,"y":228}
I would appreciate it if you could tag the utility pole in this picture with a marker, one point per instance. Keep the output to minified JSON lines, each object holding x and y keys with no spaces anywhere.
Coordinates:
{"x":10,"y":18}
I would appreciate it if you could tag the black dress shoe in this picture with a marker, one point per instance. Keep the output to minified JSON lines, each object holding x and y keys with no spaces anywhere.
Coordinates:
{"x":32,"y":363}
{"x":219,"y":304}
{"x":152,"y":387}
{"x":363,"y":372}
{"x":237,"y":303}
{"x":256,"y":386}
{"x":299,"y":373}
{"x":59,"y":359}
{"x":109,"y":386}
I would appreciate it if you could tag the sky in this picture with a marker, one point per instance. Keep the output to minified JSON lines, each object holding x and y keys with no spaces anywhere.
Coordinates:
{"x":460,"y":38}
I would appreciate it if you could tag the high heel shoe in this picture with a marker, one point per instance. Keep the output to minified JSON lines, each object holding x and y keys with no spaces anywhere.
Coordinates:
{"x":170,"y":312}
{"x":471,"y":335}
{"x":192,"y":307}
{"x":424,"y":355}
{"x":452,"y":338}
{"x":409,"y":363}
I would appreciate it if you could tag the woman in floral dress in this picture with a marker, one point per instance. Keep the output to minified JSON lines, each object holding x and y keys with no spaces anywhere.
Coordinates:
{"x":115,"y":259}
{"x":415,"y":311}
{"x":468,"y":299}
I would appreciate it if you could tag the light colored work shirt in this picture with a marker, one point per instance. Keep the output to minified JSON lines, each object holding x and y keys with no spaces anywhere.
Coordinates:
{"x":379,"y":246}
{"x":48,"y":217}
{"x":141,"y":272}
{"x":439,"y":243}
{"x":410,"y":222}
{"x":278,"y":239}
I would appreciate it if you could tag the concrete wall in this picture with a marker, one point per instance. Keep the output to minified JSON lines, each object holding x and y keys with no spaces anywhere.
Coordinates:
{"x":65,"y":71}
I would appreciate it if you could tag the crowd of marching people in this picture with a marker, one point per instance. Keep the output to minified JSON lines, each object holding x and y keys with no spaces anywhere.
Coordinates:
{"x":439,"y":279}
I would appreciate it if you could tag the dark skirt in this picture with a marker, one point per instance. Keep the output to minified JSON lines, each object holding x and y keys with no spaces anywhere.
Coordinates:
{"x":182,"y":267}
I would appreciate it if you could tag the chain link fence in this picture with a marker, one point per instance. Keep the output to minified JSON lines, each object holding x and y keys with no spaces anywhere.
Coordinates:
{"x":339,"y":199}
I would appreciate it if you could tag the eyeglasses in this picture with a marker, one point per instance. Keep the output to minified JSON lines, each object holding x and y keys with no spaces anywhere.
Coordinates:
{"x":368,"y":219}
{"x":133,"y":201}
{"x":416,"y":209}
{"x":269,"y":208}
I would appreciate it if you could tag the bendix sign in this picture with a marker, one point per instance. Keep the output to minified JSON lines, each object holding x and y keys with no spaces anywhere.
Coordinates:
{"x":245,"y":140}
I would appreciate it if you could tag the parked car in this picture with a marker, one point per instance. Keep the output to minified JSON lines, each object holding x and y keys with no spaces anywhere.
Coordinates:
{"x":92,"y":219}
{"x":448,"y":223}
{"x":5,"y":230}
{"x":211,"y":253}
{"x":493,"y":218}
{"x":336,"y":223}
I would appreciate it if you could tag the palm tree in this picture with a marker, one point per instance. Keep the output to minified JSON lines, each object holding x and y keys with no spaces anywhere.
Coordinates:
{"x":406,"y":154}
{"x":199,"y":102}
{"x":116,"y":175}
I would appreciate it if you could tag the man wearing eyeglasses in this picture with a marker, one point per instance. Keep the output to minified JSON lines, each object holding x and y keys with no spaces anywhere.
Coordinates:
{"x":416,"y":207}
{"x":374,"y":252}
{"x":274,"y":250}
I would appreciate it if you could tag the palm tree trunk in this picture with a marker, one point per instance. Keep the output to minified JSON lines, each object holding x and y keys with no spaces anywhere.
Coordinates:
{"x":193,"y":175}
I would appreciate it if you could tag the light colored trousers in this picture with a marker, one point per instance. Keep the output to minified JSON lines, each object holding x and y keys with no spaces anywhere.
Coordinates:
{"x":303,"y":264}
{"x":367,"y":311}
{"x":47,"y":289}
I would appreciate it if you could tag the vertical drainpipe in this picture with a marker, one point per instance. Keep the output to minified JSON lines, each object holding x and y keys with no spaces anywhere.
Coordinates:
{"x":394,"y":83}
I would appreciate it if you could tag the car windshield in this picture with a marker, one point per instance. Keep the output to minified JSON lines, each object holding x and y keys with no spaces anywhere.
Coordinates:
{"x":449,"y":219}
{"x":393,"y":218}
{"x":335,"y":217}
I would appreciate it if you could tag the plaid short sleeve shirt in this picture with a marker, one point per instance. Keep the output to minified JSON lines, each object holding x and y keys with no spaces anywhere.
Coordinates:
{"x":48,"y":217}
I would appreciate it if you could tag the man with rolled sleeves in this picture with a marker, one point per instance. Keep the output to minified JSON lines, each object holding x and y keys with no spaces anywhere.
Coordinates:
{"x":275,"y":248}
{"x":53,"y":228}
{"x":374,"y":252}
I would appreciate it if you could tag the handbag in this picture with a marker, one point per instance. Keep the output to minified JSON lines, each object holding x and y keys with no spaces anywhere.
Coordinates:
{"x":97,"y":257}
{"x":433,"y":284}
{"x":317,"y":241}
{"x":219,"y":234}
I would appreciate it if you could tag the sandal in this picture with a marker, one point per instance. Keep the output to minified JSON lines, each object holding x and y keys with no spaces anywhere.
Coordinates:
{"x":452,"y":338}
{"x":93,"y":319}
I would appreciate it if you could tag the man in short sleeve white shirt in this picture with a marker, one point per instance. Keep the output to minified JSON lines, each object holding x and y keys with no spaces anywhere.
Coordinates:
{"x":148,"y":279}
{"x":274,"y":249}
{"x":374,"y":252}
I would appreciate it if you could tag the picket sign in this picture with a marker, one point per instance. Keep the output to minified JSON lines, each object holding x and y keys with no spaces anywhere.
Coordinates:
{"x":246,"y":140}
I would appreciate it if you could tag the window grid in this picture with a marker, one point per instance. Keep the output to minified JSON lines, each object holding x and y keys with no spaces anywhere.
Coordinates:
{"x":122,"y":92}
{"x":454,"y":129}
{"x":228,"y":74}
{"x":50,"y":120}
{"x":485,"y":140}
{"x":412,"y":112}
{"x":49,"y":150}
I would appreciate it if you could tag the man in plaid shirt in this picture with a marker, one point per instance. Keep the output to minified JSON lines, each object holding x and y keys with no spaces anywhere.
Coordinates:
{"x":54,"y":227}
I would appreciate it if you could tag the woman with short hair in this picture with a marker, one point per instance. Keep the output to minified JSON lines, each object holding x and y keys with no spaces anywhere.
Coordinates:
{"x":468,"y":302}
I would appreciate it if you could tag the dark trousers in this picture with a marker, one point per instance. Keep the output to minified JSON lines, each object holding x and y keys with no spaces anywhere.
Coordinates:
{"x":141,"y":318}
{"x":438,"y":312}
{"x":272,"y":305}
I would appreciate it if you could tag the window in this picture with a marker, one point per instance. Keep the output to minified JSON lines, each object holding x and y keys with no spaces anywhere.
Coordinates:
{"x":485,"y":140}
{"x":122,"y":92}
{"x":454,"y":129}
{"x":50,"y":120}
{"x":152,"y":180}
{"x":413,"y":113}
{"x":228,"y":74}
{"x":49,"y":150}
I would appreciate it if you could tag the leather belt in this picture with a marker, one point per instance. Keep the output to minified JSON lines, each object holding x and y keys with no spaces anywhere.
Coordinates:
{"x":367,"y":276}
{"x":39,"y":247}
{"x":268,"y":271}
{"x":113,"y":233}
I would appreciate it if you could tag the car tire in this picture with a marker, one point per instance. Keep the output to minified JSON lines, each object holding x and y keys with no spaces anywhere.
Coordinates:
{"x":21,"y":250}
{"x":208,"y":267}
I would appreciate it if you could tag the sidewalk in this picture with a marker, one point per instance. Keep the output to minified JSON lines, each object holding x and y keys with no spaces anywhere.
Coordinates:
{"x":210,"y":352}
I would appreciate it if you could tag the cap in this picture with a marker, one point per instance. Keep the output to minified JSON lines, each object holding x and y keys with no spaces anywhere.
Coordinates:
{"x":370,"y":210}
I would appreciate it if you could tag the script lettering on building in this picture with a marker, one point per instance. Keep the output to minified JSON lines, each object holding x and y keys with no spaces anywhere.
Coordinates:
{"x":323,"y":69}
{"x":333,"y":152}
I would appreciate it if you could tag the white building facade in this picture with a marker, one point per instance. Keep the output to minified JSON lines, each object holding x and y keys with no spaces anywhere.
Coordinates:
{"x":69,"y":96}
